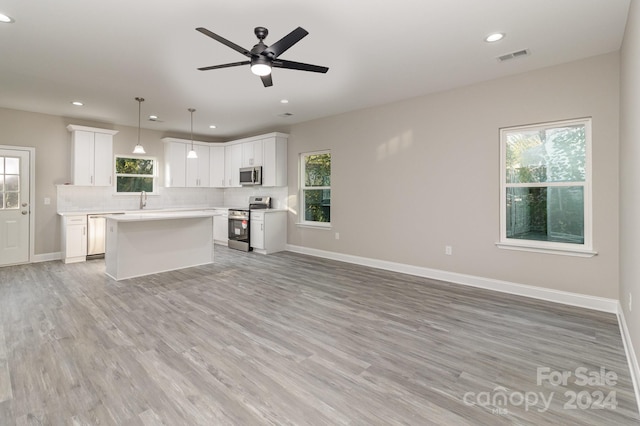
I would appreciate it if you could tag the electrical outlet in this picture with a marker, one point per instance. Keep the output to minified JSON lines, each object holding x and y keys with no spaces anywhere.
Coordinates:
{"x":630,"y":302}
{"x":448,"y":250}
{"x":47,"y":201}
{"x":337,"y":235}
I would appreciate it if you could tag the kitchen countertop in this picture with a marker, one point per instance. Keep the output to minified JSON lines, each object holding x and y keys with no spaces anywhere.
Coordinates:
{"x":166,"y":210}
{"x":159,"y":215}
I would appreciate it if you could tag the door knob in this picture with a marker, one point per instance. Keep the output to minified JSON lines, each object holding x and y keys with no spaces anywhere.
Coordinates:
{"x":24,"y":204}
{"x":24,"y":212}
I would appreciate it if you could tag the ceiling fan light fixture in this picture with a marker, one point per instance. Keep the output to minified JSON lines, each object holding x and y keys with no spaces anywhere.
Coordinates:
{"x":260,"y":69}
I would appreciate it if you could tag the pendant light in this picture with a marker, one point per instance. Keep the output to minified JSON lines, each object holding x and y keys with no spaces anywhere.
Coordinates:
{"x":192,"y":153}
{"x":138,"y":148}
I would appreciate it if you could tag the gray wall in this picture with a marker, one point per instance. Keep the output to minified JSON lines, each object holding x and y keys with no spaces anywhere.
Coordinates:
{"x":411,"y":177}
{"x":630,"y":175}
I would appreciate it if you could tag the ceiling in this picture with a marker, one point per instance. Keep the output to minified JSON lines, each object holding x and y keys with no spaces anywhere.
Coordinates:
{"x":105,"y":53}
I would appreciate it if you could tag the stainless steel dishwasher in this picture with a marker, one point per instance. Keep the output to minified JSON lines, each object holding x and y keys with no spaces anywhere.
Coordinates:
{"x":96,"y":235}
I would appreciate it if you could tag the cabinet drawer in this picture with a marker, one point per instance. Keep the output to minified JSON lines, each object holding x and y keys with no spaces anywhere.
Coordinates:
{"x":257,"y":215}
{"x":76,"y":220}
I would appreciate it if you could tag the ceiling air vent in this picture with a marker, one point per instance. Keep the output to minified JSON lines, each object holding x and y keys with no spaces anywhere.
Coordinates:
{"x":513,"y":55}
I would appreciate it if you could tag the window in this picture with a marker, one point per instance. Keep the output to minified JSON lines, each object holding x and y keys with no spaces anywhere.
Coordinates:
{"x":546,"y":187}
{"x":315,"y":176}
{"x":9,"y":183}
{"x":135,"y":174}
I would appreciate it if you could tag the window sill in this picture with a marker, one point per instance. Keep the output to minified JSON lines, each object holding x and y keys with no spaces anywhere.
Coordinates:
{"x":322,"y":226}
{"x":548,"y":250}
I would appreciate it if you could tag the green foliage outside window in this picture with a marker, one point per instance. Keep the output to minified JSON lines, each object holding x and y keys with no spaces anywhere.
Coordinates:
{"x":534,"y":159}
{"x":134,"y":174}
{"x":317,"y":187}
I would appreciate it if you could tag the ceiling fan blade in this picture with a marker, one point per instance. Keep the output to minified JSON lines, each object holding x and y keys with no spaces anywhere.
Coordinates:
{"x":233,"y":64}
{"x":224,"y":41}
{"x":281,"y":63}
{"x":266,"y":80}
{"x":282,"y":45}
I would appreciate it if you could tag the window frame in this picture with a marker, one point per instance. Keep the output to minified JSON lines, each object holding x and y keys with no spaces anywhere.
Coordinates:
{"x":586,"y":248}
{"x":302,"y":187}
{"x":154,"y":175}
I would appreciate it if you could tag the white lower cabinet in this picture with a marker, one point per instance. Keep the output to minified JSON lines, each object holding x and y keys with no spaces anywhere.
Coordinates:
{"x":221,"y":227}
{"x":74,"y":239}
{"x":268,"y":231}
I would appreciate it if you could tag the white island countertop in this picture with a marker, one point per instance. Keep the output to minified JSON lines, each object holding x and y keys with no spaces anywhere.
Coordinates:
{"x":142,"y":215}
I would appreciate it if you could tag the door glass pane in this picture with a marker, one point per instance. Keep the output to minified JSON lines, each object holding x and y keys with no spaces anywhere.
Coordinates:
{"x":12,"y":183}
{"x":546,"y":214}
{"x":317,"y":205}
{"x":12,"y":200}
{"x":12,"y":165}
{"x":1,"y":165}
{"x":546,"y":155}
{"x":1,"y":183}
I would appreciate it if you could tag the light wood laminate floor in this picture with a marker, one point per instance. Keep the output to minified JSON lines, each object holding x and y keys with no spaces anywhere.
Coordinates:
{"x":287,"y":339}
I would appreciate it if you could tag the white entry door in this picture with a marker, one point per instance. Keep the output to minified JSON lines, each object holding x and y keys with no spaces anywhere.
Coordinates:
{"x":14,"y":206}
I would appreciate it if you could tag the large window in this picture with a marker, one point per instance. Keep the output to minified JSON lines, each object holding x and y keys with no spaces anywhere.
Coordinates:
{"x":135,"y":174}
{"x":546,"y":187}
{"x":315,"y":177}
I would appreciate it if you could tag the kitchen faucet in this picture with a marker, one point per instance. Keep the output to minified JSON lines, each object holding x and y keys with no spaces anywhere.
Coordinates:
{"x":143,"y":199}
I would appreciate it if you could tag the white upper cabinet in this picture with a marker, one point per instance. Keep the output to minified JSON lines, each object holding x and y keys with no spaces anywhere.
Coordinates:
{"x":252,"y":153}
{"x":180,"y":171}
{"x":232,"y":164}
{"x":91,"y":155}
{"x":216,"y":166}
{"x":175,"y":164}
{"x":274,"y":163}
{"x":198,"y":168}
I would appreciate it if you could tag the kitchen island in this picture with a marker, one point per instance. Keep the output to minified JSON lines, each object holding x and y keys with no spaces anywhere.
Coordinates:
{"x":144,"y":243}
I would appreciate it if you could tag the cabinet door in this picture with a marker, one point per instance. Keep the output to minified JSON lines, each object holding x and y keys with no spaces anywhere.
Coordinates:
{"x":256,"y":234}
{"x":252,"y":153}
{"x":274,"y":167}
{"x":83,"y":158}
{"x":103,"y":159}
{"x":76,"y":241}
{"x":216,"y":167}
{"x":203,"y":165}
{"x":221,"y":228}
{"x":175,"y":162}
{"x":232,"y":161}
{"x":198,"y":168}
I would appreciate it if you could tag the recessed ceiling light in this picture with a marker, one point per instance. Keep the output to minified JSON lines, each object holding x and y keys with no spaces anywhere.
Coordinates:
{"x":6,"y":19}
{"x":213,"y":126}
{"x":77,"y":103}
{"x":492,"y":38}
{"x":284,"y":101}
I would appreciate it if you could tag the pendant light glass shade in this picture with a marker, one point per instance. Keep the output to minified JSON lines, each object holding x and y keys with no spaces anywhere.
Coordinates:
{"x":192,"y":153}
{"x":139,"y":149}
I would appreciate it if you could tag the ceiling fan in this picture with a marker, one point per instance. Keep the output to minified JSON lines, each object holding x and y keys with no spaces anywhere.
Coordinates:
{"x":262,"y":57}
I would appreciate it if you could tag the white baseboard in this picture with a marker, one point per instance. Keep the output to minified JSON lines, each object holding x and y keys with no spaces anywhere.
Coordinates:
{"x":634,"y":368}
{"x":557,"y":296}
{"x":46,"y":257}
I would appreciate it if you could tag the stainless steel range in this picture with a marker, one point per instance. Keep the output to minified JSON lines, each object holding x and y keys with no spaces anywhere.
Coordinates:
{"x":240,"y":225}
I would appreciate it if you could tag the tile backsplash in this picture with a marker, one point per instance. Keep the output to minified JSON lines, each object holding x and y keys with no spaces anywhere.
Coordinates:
{"x":95,"y":198}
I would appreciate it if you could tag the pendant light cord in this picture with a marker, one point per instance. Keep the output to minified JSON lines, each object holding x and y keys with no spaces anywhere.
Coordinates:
{"x":191,"y":110}
{"x":140,"y":101}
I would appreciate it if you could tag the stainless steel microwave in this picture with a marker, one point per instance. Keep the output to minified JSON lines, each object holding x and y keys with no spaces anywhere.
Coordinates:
{"x":251,"y":176}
